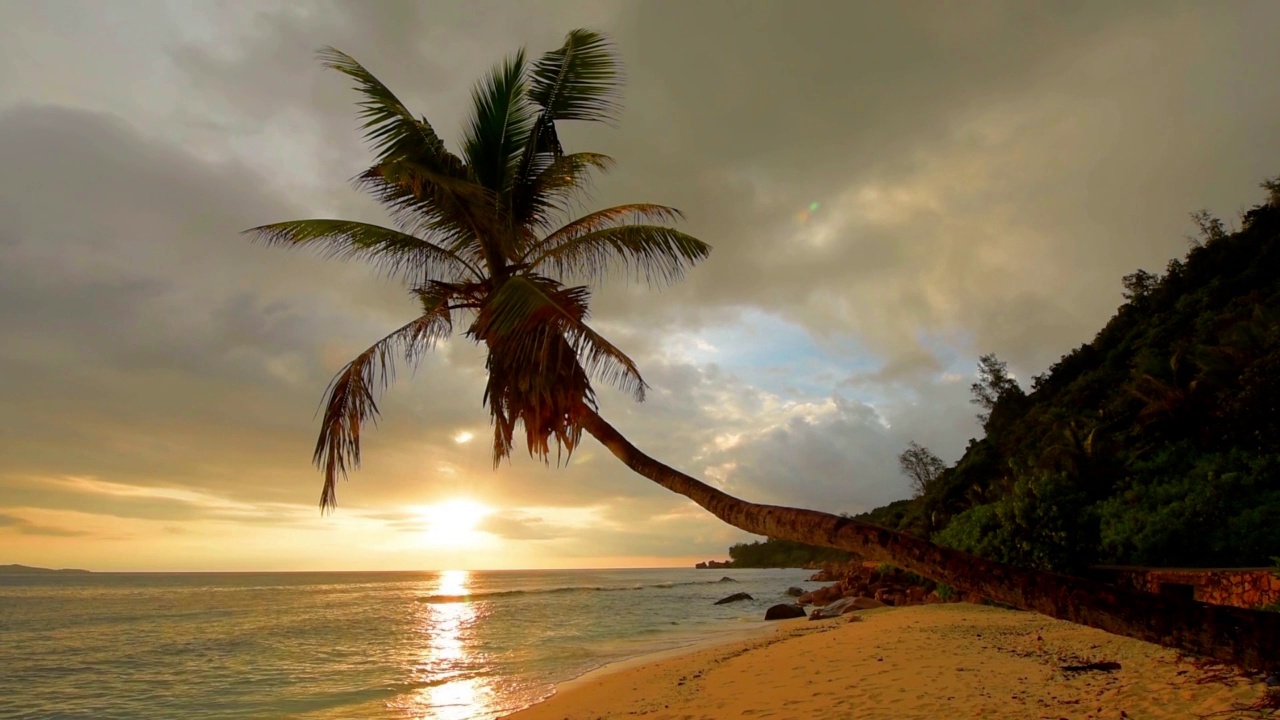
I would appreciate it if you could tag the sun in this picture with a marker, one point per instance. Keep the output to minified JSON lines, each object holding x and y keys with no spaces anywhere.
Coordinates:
{"x":453,"y":523}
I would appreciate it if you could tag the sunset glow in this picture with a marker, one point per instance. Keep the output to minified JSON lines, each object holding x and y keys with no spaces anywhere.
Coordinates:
{"x":453,"y":523}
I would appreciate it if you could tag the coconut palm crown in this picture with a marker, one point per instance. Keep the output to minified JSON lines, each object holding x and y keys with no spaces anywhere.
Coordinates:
{"x":487,"y":235}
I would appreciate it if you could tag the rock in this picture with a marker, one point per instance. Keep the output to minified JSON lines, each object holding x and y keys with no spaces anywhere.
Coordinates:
{"x":726,"y":578}
{"x":866,"y":603}
{"x":1273,"y":680}
{"x":821,"y":596}
{"x":734,"y":598}
{"x":915,"y":594}
{"x":795,"y":591}
{"x":784,"y":612}
{"x":836,"y":609}
{"x":700,"y":566}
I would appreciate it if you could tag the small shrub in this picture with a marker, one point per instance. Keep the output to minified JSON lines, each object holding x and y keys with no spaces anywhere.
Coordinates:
{"x":913,"y":579}
{"x":945,"y":592}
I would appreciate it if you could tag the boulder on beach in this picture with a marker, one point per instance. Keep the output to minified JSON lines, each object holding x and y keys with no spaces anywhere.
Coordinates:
{"x":821,"y":596}
{"x":734,"y":598}
{"x":795,"y":591}
{"x":835,"y":609}
{"x":784,"y":612}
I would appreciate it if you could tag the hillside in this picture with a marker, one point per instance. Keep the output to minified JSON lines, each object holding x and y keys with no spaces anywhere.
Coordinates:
{"x":1157,"y":443}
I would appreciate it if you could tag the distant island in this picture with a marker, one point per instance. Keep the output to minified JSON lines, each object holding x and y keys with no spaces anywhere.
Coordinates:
{"x":28,"y":570}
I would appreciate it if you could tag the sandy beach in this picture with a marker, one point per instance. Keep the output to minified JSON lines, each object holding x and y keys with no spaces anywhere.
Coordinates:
{"x":930,"y":661}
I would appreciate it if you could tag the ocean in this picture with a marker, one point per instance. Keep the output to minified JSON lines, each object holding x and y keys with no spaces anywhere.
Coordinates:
{"x":452,"y":645}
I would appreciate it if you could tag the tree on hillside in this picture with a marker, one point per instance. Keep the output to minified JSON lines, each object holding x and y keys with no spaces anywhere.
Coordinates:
{"x":994,"y":385}
{"x":1211,"y":228}
{"x":485,"y":238}
{"x":920,"y":465}
{"x":1140,"y":284}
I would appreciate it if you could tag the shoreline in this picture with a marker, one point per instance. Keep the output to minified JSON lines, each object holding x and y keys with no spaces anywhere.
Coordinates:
{"x":711,"y":641}
{"x":927,"y":661}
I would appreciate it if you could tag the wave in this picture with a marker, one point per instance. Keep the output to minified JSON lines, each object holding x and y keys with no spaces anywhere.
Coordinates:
{"x":496,"y":594}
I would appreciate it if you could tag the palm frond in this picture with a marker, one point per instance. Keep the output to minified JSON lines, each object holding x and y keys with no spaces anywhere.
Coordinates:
{"x":610,"y":217}
{"x":393,"y":131}
{"x":658,"y":254}
{"x":398,"y":253}
{"x":580,"y":80}
{"x":351,"y":394}
{"x":552,"y":191}
{"x":455,"y":218}
{"x":499,"y":127}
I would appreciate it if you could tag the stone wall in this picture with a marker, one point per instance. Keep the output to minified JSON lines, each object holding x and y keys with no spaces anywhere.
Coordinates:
{"x":1240,"y":587}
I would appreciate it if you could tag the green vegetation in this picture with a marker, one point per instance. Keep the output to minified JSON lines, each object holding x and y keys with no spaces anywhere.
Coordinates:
{"x":1156,"y":444}
{"x":782,"y":553}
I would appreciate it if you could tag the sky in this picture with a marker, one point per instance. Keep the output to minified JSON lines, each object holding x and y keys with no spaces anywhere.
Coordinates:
{"x":890,"y":189}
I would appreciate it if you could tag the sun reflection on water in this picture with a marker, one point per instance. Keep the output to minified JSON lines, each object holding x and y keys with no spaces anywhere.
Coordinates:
{"x":447,"y":667}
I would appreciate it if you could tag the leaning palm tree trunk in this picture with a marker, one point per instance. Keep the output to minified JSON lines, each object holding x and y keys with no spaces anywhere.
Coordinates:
{"x":1247,"y":638}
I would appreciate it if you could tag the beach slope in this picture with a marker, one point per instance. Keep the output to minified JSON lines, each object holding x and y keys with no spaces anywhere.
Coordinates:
{"x":930,"y":661}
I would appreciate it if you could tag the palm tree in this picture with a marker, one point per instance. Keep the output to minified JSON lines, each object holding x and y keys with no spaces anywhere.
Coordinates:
{"x":485,"y":236}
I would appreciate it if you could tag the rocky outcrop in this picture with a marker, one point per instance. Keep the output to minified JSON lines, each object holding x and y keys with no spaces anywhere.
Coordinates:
{"x":736,"y":597}
{"x":836,"y":609}
{"x":784,"y":612}
{"x":713,"y":564}
{"x":795,"y":591}
{"x":1241,"y":587}
{"x":821,"y":596}
{"x":871,"y":584}
{"x":726,"y":578}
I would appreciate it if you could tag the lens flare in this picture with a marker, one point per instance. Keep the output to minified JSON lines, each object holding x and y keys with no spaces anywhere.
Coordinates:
{"x":806,"y":214}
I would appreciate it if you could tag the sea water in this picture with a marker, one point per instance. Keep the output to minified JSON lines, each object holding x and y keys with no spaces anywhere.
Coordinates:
{"x":450,"y":645}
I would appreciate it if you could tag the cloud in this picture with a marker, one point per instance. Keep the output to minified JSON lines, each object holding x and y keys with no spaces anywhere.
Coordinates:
{"x":26,"y":527}
{"x":521,"y":526}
